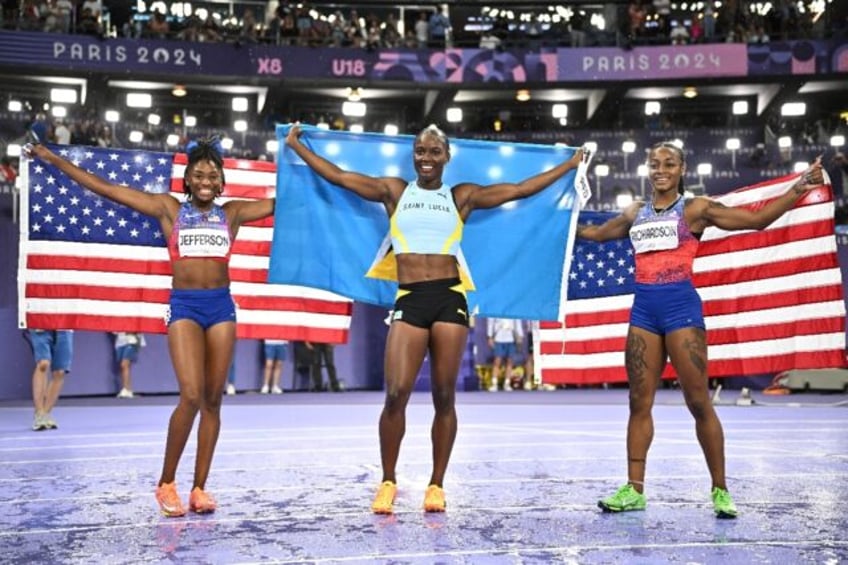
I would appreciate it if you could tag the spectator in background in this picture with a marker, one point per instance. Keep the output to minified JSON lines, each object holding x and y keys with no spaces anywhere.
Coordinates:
{"x":231,"y":377}
{"x":505,"y":337}
{"x":104,"y":137}
{"x":275,"y":355}
{"x":52,"y":351}
{"x":322,"y":354}
{"x":88,"y":23}
{"x":127,"y":347}
{"x":439,"y":29}
{"x":61,"y":133}
{"x":8,"y":172}
{"x":157,"y":27}
{"x":422,"y":29}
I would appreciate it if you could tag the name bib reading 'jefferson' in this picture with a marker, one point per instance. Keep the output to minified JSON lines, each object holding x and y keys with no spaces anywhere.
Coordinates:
{"x":654,"y":236}
{"x":199,"y":242}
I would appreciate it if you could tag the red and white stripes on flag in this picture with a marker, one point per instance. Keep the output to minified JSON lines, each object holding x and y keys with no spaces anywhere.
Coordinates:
{"x":772,"y":299}
{"x":89,"y":264}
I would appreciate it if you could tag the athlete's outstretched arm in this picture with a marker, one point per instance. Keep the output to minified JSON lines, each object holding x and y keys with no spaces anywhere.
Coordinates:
{"x":155,"y":205}
{"x":370,"y":188}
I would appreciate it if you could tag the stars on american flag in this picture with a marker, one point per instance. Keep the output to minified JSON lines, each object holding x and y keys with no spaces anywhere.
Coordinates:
{"x":61,"y":209}
{"x":600,"y":269}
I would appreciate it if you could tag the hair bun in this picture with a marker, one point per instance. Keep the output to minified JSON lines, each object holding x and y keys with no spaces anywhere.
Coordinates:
{"x":213,"y":143}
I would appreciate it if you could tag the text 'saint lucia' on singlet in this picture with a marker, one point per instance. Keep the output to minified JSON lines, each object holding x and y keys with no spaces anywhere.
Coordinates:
{"x":426,"y":221}
{"x":200,"y":234}
{"x":665,"y":248}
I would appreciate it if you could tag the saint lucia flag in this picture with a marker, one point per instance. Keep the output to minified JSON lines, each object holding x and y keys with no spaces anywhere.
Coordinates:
{"x":513,"y":257}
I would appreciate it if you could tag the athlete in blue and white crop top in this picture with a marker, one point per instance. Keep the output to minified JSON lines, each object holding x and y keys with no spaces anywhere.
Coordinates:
{"x":426,"y":221}
{"x":430,"y":314}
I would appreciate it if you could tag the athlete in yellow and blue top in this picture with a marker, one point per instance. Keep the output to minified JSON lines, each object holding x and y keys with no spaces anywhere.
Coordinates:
{"x":431,"y":312}
{"x":666,"y":320}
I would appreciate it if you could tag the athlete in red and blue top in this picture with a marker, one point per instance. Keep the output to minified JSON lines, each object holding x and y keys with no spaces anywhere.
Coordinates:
{"x":201,"y":315}
{"x":666,"y":321}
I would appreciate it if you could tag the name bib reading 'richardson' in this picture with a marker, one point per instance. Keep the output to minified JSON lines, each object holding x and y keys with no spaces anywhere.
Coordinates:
{"x":201,"y":242}
{"x":654,"y":236}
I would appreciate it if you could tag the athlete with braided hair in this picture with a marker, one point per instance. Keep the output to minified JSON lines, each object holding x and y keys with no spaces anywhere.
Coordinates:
{"x":202,"y":316}
{"x":666,"y":320}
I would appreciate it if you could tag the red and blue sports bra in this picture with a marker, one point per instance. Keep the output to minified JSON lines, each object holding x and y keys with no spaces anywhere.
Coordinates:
{"x":200,"y":234}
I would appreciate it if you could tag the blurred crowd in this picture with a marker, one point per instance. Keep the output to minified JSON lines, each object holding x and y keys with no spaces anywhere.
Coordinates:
{"x":320,"y":24}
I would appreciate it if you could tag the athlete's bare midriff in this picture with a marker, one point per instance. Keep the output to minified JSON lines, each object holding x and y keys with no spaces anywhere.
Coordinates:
{"x":421,"y":267}
{"x":200,"y":273}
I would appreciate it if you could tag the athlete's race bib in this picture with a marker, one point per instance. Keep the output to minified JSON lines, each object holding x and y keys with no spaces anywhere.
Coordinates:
{"x":654,"y":236}
{"x":202,"y":242}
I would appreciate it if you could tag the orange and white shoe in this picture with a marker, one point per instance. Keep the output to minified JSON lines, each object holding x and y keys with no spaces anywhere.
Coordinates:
{"x":169,"y":501}
{"x":201,"y":502}
{"x":434,"y":499}
{"x":385,"y":498}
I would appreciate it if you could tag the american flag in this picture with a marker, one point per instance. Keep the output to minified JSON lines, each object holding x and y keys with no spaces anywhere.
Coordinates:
{"x":772,"y":299}
{"x":90,"y":264}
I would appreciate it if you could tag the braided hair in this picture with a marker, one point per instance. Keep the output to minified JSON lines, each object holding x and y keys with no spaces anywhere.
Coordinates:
{"x":680,"y":154}
{"x":204,"y":149}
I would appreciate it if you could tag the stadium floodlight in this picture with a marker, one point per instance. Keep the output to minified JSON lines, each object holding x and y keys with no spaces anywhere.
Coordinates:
{"x":628,"y":146}
{"x":59,"y":111}
{"x":112,"y":116}
{"x":837,"y":141}
{"x":240,"y":125}
{"x":733,"y":144}
{"x":784,"y":142}
{"x":793,"y":109}
{"x":800,"y":166}
{"x":172,"y":140}
{"x":559,"y":111}
{"x":454,"y":115}
{"x":652,"y":108}
{"x":15,"y":106}
{"x":139,"y":100}
{"x":190,"y":121}
{"x":136,"y":136}
{"x":391,"y":129}
{"x":356,"y":128}
{"x":705,"y":169}
{"x":740,"y":107}
{"x":227,"y":143}
{"x":13,"y":150}
{"x":355,"y":109}
{"x":602,"y":170}
{"x":240,"y":104}
{"x":154,"y":119}
{"x":272,"y":146}
{"x":591,"y":146}
{"x":63,"y":95}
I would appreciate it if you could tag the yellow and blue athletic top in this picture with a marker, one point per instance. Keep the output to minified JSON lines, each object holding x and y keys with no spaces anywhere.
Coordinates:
{"x":425,"y":221}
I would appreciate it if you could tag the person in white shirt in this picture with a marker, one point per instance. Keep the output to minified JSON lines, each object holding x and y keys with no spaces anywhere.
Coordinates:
{"x":505,"y":337}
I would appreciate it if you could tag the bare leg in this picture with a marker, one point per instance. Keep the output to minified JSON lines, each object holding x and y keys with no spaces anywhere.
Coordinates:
{"x":447,"y":343}
{"x":220,"y":342}
{"x":266,"y":375}
{"x":688,"y":350}
{"x":187,"y":346}
{"x":125,"y":374}
{"x":277,"y":372}
{"x":54,"y":388}
{"x":644,"y":360}
{"x":405,"y":349}
{"x":39,"y":386}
